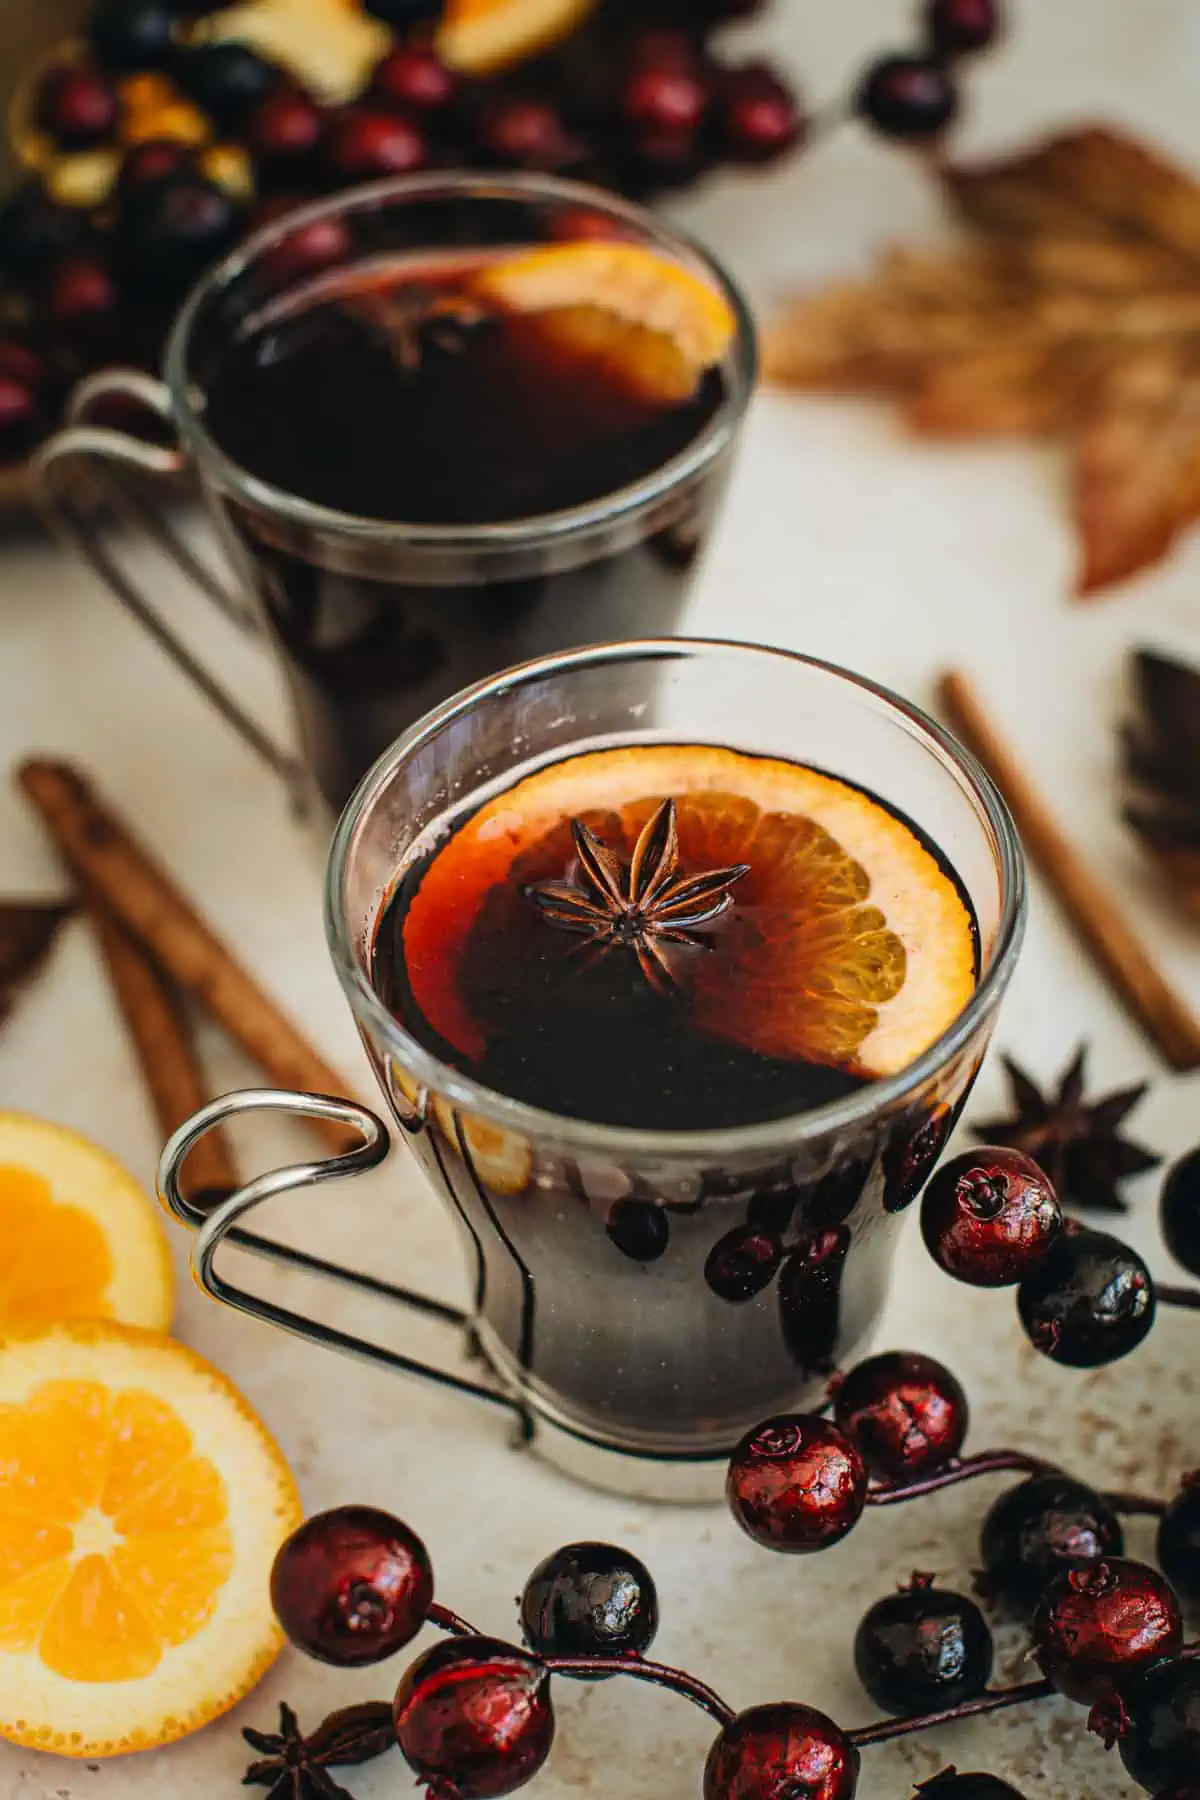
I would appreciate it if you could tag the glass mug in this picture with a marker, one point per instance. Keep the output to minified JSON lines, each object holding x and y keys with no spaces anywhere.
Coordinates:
{"x":636,"y":1375}
{"x":375,"y":622}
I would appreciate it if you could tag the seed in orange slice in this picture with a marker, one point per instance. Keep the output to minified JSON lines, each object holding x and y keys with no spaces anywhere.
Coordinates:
{"x":81,"y":1239}
{"x":847,"y":943}
{"x":141,"y":1506}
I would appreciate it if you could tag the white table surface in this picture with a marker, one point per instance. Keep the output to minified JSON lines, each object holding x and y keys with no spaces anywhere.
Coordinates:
{"x":842,"y":539}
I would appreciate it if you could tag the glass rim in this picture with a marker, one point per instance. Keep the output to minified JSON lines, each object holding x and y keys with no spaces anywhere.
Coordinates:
{"x":615,"y":507}
{"x":734,"y":1142}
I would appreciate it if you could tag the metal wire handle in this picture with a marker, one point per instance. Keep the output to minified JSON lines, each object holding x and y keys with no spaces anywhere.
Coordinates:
{"x":216,"y":1224}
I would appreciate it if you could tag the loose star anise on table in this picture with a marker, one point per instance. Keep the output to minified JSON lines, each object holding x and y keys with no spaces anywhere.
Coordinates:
{"x":1162,"y":760}
{"x":644,"y":906}
{"x":1076,"y":1142}
{"x":295,"y":1767}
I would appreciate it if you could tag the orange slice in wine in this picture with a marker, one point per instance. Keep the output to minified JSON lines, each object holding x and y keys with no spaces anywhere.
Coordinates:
{"x":847,"y":943}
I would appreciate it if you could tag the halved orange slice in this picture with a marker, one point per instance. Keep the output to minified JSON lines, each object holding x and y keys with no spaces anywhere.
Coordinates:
{"x":81,"y":1239}
{"x":141,"y":1506}
{"x":847,"y":943}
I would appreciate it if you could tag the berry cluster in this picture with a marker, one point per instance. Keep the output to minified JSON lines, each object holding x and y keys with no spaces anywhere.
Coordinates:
{"x":164,"y":150}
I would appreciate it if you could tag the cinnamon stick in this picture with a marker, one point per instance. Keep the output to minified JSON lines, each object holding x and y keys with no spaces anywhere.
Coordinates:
{"x":108,"y":861}
{"x":1164,"y":1015}
{"x":153,"y":1013}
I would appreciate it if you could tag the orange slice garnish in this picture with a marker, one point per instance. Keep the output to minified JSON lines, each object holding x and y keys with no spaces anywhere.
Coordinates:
{"x":847,"y":943}
{"x":141,"y":1505}
{"x":81,"y":1239}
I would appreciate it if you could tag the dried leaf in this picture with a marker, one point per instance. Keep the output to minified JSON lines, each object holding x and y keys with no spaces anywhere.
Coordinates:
{"x":27,"y":933}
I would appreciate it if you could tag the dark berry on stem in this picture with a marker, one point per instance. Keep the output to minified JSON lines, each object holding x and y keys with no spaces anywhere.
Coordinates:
{"x":414,"y":76}
{"x":77,"y":107}
{"x":1040,"y":1528}
{"x":742,"y":1263}
{"x":906,"y":1413}
{"x":1179,"y":1212}
{"x":639,"y":1229}
{"x":950,"y":1785}
{"x":796,"y":1484}
{"x":527,"y":132}
{"x":34,"y":230}
{"x":590,"y":1600}
{"x":170,"y":230}
{"x":352,"y":1586}
{"x":151,"y":160}
{"x":132,"y":34}
{"x":912,"y":98}
{"x":923,"y":1649}
{"x":406,"y":15}
{"x":1159,"y":1735}
{"x":284,"y":129}
{"x":781,"y":1752}
{"x":366,"y":141}
{"x":1179,"y":1541}
{"x":989,"y":1217}
{"x":757,"y":115}
{"x":80,"y":294}
{"x":226,"y":80}
{"x":960,"y":27}
{"x":1096,"y":1627}
{"x":473,"y":1717}
{"x":1090,"y":1303}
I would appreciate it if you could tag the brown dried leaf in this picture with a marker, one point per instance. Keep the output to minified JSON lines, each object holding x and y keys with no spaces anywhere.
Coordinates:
{"x":27,"y":932}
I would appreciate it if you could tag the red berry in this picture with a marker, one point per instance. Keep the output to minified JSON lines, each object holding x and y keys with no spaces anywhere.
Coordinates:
{"x":959,"y":27}
{"x":151,"y":160}
{"x":758,"y":116}
{"x":352,"y":1586}
{"x":1096,"y":1627}
{"x":527,"y":133}
{"x":80,"y":293}
{"x":284,"y":129}
{"x":796,"y":1484}
{"x":670,"y":100}
{"x":77,"y":107}
{"x":18,"y":412}
{"x":366,"y":142}
{"x":781,"y":1752}
{"x":908,"y":97}
{"x":20,"y":364}
{"x":413,"y":76}
{"x":905,"y":1412}
{"x":989,"y":1217}
{"x":474,"y":1718}
{"x":319,"y":244}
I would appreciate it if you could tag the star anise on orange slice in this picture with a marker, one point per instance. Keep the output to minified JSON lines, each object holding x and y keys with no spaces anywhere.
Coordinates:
{"x":643,"y":905}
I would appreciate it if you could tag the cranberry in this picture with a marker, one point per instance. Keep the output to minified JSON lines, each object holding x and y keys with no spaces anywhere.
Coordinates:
{"x":352,"y":1586}
{"x":151,"y":160}
{"x":989,"y":1217}
{"x":950,"y":1785}
{"x":1179,"y":1538}
{"x":284,"y":129}
{"x":639,"y":1229}
{"x":473,"y":1717}
{"x":1179,"y":1212}
{"x":1159,"y":1732}
{"x":590,"y":1600}
{"x":20,"y":364}
{"x":1040,"y":1528}
{"x":170,"y":230}
{"x":960,"y":27}
{"x":34,"y":230}
{"x":670,"y":99}
{"x":528,"y":133}
{"x":797,"y":1484}
{"x":80,"y":294}
{"x":810,"y":1299}
{"x":1095,"y":1627}
{"x":227,"y":81}
{"x":908,"y":97}
{"x":319,"y":244}
{"x":414,"y":76}
{"x":132,"y":34}
{"x":922,"y":1649}
{"x":77,"y":107}
{"x":781,"y":1752}
{"x":19,"y":414}
{"x":758,"y":115}
{"x":1090,"y":1303}
{"x":366,"y":142}
{"x":905,"y":1412}
{"x":742,"y":1263}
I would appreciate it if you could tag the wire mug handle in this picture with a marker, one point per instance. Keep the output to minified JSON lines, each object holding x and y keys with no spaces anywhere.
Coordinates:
{"x":81,"y":441}
{"x":213,"y":1225}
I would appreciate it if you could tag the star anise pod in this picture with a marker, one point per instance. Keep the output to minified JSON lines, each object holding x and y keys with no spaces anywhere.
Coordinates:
{"x":1077,"y":1143}
{"x":1162,"y":760}
{"x":295,"y":1767}
{"x":643,"y":906}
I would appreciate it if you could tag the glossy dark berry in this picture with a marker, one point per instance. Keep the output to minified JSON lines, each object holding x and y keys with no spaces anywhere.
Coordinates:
{"x":227,"y":81}
{"x":950,"y":1785}
{"x":1179,"y":1211}
{"x":352,"y":1586}
{"x":80,"y":295}
{"x":151,"y":160}
{"x":1090,"y":1303}
{"x":810,"y":1299}
{"x":284,"y":129}
{"x":590,"y":1600}
{"x":525,"y":132}
{"x":365,"y":142}
{"x":19,"y":413}
{"x":1095,"y":1627}
{"x":757,"y":115}
{"x":742,"y":1263}
{"x":639,"y":1229}
{"x":406,"y":15}
{"x":906,"y":1413}
{"x":35,"y":230}
{"x":912,"y":98}
{"x":1159,"y":1740}
{"x":922,"y":1649}
{"x":1179,"y":1541}
{"x":132,"y":34}
{"x":1040,"y":1528}
{"x":989,"y":1217}
{"x":317,"y":245}
{"x":781,"y":1752}
{"x":473,"y":1717}
{"x":961,"y":27}
{"x":415,"y":77}
{"x":671,"y":99}
{"x":77,"y":107}
{"x":170,"y":230}
{"x":796,"y":1483}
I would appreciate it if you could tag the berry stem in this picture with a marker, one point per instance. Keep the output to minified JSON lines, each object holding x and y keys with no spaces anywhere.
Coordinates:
{"x":964,"y":1468}
{"x":445,"y":1620}
{"x":1167,"y":1295}
{"x":995,"y":1701}
{"x":676,"y":1679}
{"x":1140,"y":1504}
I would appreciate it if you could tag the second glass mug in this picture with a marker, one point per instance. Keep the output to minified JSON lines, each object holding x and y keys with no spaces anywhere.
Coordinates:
{"x":634,"y":1374}
{"x":374,"y":621}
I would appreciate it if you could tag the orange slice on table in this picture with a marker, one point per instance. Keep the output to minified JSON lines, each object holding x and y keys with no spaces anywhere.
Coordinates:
{"x":141,"y":1506}
{"x":847,"y":943}
{"x":81,"y":1239}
